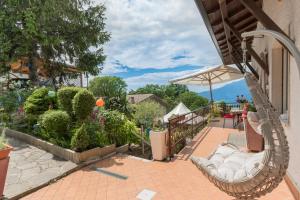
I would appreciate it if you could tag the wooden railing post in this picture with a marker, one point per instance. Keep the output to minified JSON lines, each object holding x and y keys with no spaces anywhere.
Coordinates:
{"x":169,"y":137}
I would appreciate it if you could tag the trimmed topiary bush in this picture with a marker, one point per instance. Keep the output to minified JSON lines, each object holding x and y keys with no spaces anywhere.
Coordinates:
{"x":56,"y":121}
{"x":97,"y":136}
{"x":83,"y":104}
{"x":80,"y":140}
{"x":118,"y":128}
{"x":39,"y":101}
{"x":65,"y":96}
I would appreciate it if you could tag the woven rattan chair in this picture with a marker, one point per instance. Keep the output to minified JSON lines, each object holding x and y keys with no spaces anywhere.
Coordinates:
{"x":274,"y":163}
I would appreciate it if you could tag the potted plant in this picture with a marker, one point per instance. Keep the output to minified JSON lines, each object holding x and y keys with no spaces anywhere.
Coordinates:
{"x":158,"y":139}
{"x":4,"y":160}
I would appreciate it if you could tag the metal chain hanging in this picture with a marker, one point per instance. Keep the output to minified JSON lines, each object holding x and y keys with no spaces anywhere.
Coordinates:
{"x":244,"y":49}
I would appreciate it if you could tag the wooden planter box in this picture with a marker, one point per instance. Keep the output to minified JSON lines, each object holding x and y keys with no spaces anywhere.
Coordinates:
{"x":67,"y":154}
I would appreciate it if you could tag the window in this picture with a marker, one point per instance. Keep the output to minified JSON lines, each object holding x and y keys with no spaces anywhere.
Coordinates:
{"x":285,"y":81}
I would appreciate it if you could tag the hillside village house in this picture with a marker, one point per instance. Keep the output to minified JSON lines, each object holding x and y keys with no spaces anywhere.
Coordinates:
{"x":19,"y":71}
{"x":139,"y":98}
{"x":270,"y":61}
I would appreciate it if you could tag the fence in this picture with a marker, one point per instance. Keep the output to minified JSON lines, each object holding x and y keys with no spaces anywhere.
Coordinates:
{"x":185,"y":126}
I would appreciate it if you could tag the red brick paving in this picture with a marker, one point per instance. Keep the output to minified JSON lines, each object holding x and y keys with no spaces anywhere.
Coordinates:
{"x":175,"y":180}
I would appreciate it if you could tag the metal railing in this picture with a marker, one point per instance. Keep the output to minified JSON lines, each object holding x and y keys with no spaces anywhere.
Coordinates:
{"x":183,"y":127}
{"x":226,"y":107}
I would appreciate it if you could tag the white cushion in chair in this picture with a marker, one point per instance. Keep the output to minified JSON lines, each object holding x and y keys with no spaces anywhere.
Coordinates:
{"x":252,"y":163}
{"x":225,"y":150}
{"x":230,"y":164}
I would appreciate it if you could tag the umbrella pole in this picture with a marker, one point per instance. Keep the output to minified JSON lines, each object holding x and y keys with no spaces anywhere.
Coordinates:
{"x":211,"y":96}
{"x":210,"y":91}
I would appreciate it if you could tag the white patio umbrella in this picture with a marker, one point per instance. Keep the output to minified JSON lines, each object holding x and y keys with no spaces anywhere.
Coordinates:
{"x":210,"y":76}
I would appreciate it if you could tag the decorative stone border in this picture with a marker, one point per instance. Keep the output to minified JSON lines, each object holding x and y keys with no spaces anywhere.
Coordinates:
{"x":66,"y":154}
{"x":123,"y":149}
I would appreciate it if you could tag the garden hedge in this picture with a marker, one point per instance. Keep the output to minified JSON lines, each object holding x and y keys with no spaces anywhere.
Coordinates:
{"x":38,"y":102}
{"x":83,"y":104}
{"x":80,"y":140}
{"x":65,"y":96}
{"x":55,"y":121}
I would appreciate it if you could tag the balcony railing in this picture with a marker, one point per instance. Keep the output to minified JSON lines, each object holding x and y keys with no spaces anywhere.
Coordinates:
{"x":184,"y":127}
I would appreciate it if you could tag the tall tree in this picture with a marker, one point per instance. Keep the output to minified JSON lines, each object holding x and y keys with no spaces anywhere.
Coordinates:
{"x":55,"y":32}
{"x":192,"y":100}
{"x":113,"y":90}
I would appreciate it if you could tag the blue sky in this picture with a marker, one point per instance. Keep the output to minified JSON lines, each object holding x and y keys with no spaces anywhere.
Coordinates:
{"x":153,"y":41}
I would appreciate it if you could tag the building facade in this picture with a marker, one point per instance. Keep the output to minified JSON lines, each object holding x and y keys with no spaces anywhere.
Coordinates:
{"x":283,"y":83}
{"x":267,"y":59}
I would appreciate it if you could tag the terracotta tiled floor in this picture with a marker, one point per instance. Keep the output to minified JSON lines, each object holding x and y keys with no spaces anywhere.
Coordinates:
{"x":178,"y":179}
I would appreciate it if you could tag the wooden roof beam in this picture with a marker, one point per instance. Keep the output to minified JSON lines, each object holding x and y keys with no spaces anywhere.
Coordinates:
{"x":222,"y":37}
{"x":249,"y":48}
{"x":217,"y":22}
{"x":238,"y":64}
{"x":208,"y":25}
{"x":217,"y":7}
{"x":261,"y":16}
{"x":247,"y":28}
{"x":244,"y":16}
{"x":224,"y":14}
{"x":245,"y":22}
{"x":222,"y":42}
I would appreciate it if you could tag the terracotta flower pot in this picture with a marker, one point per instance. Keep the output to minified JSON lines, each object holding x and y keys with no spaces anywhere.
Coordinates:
{"x":159,"y":144}
{"x":5,"y":152}
{"x":4,"y":160}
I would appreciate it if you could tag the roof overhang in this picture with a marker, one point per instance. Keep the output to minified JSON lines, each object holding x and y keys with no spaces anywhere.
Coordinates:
{"x":225,"y":19}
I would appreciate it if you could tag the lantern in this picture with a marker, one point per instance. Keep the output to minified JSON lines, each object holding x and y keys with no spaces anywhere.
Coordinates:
{"x":100,"y":102}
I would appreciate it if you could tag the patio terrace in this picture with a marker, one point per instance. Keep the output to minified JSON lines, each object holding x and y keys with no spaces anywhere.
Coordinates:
{"x":178,"y":179}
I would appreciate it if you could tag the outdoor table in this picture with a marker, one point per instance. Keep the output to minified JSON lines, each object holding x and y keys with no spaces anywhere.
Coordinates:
{"x":238,"y":113}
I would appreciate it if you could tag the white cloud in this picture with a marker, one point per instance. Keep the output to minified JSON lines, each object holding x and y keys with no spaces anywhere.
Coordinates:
{"x":148,"y":33}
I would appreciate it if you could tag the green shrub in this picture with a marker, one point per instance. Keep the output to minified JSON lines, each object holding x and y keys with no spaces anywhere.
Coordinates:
{"x":55,"y":121}
{"x":83,"y":104}
{"x":147,"y":113}
{"x":65,"y":96}
{"x":4,"y":118}
{"x":192,"y":100}
{"x":80,"y":140}
{"x":118,"y":128}
{"x":9,"y":101}
{"x":130,"y":131}
{"x":39,"y":101}
{"x":31,"y":120}
{"x":97,"y":136}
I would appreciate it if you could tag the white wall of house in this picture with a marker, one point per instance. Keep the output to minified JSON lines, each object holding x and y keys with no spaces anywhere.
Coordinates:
{"x":286,"y":14}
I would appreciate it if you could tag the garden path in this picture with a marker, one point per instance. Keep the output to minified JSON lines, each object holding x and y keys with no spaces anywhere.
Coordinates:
{"x":30,"y":167}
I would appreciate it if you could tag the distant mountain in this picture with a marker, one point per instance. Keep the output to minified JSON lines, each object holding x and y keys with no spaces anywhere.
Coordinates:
{"x":229,"y":92}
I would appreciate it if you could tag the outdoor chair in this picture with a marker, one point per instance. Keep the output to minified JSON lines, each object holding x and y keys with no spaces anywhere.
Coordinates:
{"x":246,"y":175}
{"x":255,"y":141}
{"x":228,"y":116}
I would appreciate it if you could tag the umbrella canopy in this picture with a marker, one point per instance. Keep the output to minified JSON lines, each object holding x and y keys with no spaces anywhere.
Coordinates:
{"x":207,"y":77}
{"x":180,"y":109}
